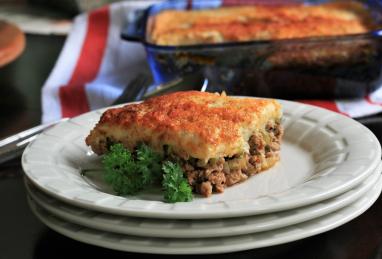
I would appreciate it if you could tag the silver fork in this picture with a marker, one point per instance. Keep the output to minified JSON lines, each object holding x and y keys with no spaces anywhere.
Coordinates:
{"x":135,"y":89}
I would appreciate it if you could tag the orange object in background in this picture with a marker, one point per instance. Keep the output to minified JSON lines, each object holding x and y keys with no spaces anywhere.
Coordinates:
{"x":12,"y":42}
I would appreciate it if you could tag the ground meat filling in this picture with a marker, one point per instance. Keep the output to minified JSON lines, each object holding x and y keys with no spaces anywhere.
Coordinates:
{"x":216,"y":174}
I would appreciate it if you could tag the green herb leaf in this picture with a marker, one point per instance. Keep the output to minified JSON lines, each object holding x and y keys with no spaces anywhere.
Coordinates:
{"x":127,"y":175}
{"x":176,"y":187}
{"x":149,"y":163}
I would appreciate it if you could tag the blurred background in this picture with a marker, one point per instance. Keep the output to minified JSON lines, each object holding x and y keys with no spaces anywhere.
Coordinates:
{"x":33,"y":32}
{"x":39,"y":29}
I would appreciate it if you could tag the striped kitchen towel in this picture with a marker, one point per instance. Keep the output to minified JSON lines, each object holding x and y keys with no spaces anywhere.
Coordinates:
{"x":95,"y":65}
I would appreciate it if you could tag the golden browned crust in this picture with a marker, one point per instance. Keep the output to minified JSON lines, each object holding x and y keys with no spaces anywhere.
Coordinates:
{"x":259,"y":22}
{"x":194,"y":124}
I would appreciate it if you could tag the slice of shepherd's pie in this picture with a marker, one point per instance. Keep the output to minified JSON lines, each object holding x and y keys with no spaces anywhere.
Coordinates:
{"x":218,"y":140}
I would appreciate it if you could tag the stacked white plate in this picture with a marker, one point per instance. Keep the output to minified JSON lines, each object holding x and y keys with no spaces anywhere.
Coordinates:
{"x":329,"y":173}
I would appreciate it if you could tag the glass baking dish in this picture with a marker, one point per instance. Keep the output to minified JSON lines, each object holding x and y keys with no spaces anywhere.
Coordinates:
{"x":289,"y":69}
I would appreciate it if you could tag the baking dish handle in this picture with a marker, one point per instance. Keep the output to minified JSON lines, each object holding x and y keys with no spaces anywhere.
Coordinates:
{"x":135,"y":26}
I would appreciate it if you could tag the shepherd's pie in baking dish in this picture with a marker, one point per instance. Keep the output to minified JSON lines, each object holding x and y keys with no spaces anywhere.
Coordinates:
{"x":259,"y":22}
{"x":218,"y":140}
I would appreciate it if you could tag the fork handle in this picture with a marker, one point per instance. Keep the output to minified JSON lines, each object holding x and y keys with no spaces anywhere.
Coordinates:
{"x":13,"y":146}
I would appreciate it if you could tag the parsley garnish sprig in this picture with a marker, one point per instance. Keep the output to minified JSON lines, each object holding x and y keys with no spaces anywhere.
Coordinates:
{"x":175,"y":185}
{"x":128,"y":173}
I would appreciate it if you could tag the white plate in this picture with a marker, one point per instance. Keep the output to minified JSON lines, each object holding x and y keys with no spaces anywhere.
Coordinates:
{"x":197,"y":228}
{"x":209,"y":245}
{"x":323,"y":154}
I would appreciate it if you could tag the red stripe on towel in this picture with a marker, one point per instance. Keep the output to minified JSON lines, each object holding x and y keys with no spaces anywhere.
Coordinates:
{"x":369,"y":100}
{"x":73,"y":96}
